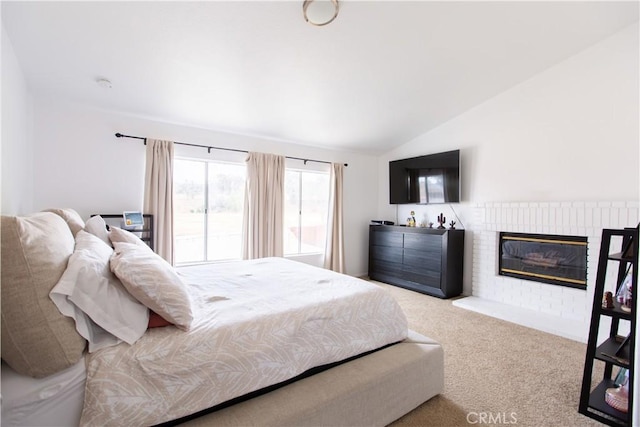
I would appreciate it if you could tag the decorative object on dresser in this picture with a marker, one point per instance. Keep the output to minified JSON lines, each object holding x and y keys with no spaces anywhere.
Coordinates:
{"x":411,"y":221}
{"x":425,"y":260}
{"x":611,"y":401}
{"x":144,"y":232}
{"x":381,"y":222}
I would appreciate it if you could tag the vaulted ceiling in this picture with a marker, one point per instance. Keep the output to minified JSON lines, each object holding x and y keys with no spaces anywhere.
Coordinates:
{"x":381,"y":74}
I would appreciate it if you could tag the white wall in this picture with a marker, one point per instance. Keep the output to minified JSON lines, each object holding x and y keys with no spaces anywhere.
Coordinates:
{"x":16,"y":151}
{"x":79,"y":163}
{"x":569,"y":133}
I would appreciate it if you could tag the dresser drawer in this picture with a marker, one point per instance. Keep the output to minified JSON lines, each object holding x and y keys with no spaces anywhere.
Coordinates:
{"x":385,"y":267}
{"x":386,"y":253}
{"x":423,"y":243}
{"x":431,"y":279}
{"x":385,"y":238}
{"x":431,"y":260}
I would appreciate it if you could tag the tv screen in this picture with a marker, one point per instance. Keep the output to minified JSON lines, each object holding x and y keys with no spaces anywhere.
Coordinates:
{"x":434,"y":178}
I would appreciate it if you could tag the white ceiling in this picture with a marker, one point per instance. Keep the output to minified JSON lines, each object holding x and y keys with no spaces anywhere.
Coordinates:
{"x":381,"y":74}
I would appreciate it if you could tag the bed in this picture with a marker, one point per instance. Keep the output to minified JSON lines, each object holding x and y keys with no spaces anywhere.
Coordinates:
{"x":260,"y":342}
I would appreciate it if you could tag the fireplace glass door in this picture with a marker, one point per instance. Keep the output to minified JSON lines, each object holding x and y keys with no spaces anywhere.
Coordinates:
{"x":558,"y":260}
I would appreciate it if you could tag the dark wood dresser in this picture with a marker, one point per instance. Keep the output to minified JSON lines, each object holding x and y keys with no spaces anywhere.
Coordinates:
{"x":426,"y":260}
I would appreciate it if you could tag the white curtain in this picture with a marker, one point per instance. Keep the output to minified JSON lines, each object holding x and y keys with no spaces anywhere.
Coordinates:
{"x":158,"y":194}
{"x":263,"y":207}
{"x":334,"y":250}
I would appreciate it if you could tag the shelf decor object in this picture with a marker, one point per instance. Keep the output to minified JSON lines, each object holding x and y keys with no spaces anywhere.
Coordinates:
{"x":618,"y":398}
{"x":611,"y":400}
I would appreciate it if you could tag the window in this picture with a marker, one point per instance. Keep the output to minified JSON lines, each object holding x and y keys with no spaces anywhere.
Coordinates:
{"x":208,"y":209}
{"x":306,"y":202}
{"x":431,"y":186}
{"x":209,"y":204}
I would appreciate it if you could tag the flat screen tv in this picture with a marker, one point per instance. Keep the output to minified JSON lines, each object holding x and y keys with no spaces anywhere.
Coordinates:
{"x":434,"y":178}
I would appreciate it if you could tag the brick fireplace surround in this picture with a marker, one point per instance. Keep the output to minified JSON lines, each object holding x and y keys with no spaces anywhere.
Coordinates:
{"x":557,"y":309}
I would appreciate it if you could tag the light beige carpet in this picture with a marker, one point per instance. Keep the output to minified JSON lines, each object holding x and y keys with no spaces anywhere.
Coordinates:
{"x":496,"y":372}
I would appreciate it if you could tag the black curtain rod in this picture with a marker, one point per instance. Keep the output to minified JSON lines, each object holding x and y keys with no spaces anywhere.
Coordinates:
{"x":209,"y":148}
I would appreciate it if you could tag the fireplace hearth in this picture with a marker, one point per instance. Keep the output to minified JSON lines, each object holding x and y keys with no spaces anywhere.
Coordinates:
{"x":552,"y":259}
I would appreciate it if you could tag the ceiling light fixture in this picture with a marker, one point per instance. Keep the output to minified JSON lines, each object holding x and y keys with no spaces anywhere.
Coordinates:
{"x":320,"y":12}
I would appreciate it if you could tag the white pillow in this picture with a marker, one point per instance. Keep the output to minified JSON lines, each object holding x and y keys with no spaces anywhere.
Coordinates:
{"x":153,"y":282}
{"x":71,"y":217}
{"x":104,"y":312}
{"x":96,"y":226}
{"x":119,"y":235}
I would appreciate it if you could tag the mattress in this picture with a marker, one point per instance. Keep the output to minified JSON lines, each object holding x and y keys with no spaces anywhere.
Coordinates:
{"x":52,"y":401}
{"x":256,"y":323}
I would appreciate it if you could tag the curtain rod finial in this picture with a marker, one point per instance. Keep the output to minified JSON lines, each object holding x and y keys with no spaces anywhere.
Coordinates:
{"x":118,"y":135}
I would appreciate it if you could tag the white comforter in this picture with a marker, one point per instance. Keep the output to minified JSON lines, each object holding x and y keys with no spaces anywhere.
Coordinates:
{"x":256,"y":323}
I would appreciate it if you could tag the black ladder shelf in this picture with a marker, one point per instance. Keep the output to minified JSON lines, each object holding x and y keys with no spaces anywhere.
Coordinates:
{"x":615,"y":351}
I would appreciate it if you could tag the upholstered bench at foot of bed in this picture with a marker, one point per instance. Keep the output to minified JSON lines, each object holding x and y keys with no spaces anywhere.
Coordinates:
{"x":373,"y":390}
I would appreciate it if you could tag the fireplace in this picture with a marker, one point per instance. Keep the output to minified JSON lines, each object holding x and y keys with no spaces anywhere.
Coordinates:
{"x":553,"y":259}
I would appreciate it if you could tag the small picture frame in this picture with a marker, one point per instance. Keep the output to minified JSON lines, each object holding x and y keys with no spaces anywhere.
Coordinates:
{"x":132,"y":219}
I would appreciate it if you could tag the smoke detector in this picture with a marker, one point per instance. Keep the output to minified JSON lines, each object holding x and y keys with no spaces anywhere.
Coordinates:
{"x":104,"y":83}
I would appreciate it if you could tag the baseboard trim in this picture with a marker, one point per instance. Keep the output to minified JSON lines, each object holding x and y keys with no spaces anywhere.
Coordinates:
{"x":571,"y":329}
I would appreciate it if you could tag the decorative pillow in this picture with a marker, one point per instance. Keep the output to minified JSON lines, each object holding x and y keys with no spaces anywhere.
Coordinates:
{"x":96,"y":226}
{"x":37,"y":340}
{"x":71,"y":217}
{"x":153,"y":282}
{"x":104,"y":312}
{"x":119,"y":235}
